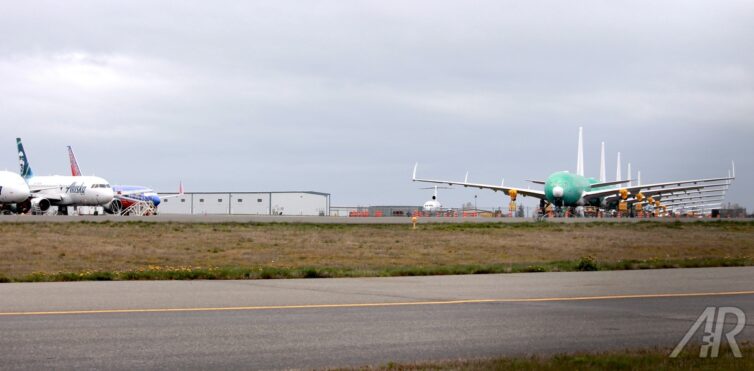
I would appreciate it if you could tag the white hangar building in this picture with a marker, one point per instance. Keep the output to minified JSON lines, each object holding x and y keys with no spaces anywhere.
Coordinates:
{"x":246,"y":203}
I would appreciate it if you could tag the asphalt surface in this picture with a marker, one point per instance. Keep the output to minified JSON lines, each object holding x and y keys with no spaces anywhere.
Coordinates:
{"x":274,"y":324}
{"x":315,"y":219}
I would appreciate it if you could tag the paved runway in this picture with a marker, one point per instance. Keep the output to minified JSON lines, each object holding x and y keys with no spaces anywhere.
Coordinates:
{"x":314,"y":219}
{"x":269,"y":324}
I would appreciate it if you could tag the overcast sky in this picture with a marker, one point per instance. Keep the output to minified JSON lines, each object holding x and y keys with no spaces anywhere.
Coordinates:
{"x":345,"y":96}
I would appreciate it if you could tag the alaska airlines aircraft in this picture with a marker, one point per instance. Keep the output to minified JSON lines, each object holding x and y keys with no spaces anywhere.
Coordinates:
{"x":62,"y":191}
{"x":565,"y":189}
{"x":124,"y":195}
{"x":13,"y":191}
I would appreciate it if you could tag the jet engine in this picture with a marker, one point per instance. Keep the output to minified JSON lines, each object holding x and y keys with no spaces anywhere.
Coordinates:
{"x":39,"y":205}
{"x":114,"y":207}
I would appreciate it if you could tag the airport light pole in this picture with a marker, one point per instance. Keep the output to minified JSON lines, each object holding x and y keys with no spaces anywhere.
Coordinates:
{"x":475,"y":209}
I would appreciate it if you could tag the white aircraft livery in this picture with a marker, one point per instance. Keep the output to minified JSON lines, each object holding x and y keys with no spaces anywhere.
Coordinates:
{"x":13,"y":188}
{"x":57,"y":190}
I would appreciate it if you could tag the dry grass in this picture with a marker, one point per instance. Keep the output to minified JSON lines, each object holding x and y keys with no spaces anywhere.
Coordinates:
{"x":639,"y":360}
{"x":78,"y":247}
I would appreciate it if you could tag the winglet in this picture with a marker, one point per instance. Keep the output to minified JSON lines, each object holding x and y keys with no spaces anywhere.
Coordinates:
{"x":413,"y":177}
{"x":733,"y":168}
{"x":466,"y":179}
{"x":180,"y":187}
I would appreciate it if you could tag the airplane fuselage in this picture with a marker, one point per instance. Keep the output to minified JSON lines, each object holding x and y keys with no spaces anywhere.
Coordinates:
{"x":13,"y":188}
{"x":74,"y":191}
{"x":126,"y":194}
{"x":567,"y":189}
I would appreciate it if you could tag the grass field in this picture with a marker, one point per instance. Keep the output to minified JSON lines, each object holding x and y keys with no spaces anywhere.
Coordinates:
{"x":142,"y":250}
{"x":654,"y":359}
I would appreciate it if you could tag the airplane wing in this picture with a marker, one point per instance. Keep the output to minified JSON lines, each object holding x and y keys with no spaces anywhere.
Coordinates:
{"x":658,"y":192}
{"x":660,"y":187}
{"x":40,"y":189}
{"x":180,"y":192}
{"x":465,"y":183}
{"x":606,"y":184}
{"x":51,"y":197}
{"x":128,"y":197}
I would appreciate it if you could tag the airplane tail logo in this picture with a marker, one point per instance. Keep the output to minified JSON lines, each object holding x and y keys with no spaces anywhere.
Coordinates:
{"x":23,"y":161}
{"x":75,"y":171}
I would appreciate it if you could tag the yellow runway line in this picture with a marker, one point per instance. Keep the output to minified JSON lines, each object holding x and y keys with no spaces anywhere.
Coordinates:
{"x":386,"y":304}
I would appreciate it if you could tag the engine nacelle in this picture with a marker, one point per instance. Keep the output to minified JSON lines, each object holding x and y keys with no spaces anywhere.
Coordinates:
{"x":623,"y":194}
{"x":114,"y":207}
{"x":513,"y":193}
{"x":40,"y":205}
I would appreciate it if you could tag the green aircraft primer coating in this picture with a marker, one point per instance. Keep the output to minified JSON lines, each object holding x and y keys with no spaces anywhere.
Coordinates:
{"x":574,"y":186}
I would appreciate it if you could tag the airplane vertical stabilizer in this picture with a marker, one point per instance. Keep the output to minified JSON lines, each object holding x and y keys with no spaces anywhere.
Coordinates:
{"x":603,"y":175}
{"x":580,"y":154}
{"x":617,"y":171}
{"x":75,"y":171}
{"x":23,"y":161}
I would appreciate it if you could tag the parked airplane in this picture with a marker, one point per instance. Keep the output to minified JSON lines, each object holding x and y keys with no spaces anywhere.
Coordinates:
{"x":13,"y":191}
{"x":62,"y":191}
{"x":433,"y":204}
{"x":565,"y":189}
{"x":124,"y":195}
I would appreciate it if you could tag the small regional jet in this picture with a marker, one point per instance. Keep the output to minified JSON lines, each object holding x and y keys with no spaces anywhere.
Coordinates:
{"x":124,"y":195}
{"x":62,"y":191}
{"x":565,"y":189}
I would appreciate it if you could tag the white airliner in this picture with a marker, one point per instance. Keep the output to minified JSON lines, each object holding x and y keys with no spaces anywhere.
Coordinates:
{"x":63,"y":191}
{"x":13,"y":190}
{"x":433,"y":204}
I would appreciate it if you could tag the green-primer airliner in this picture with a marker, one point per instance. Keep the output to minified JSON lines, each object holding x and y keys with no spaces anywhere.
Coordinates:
{"x":566,"y":189}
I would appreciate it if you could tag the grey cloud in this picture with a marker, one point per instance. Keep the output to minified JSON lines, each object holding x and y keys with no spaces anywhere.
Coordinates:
{"x":345,"y":96}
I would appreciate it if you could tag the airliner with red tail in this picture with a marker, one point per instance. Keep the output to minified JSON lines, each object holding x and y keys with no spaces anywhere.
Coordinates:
{"x":124,"y":195}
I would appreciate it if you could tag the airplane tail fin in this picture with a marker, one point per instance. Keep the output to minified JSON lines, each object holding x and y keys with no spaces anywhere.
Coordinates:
{"x":580,"y":154}
{"x":23,"y":161}
{"x":617,"y":171}
{"x":75,"y":171}
{"x":603,"y":176}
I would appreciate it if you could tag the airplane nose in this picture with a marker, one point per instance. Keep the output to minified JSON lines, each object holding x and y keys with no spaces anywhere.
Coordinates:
{"x":557,"y":192}
{"x":20,"y":193}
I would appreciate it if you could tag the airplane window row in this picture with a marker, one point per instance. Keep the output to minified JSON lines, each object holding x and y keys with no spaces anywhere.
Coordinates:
{"x":100,"y":186}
